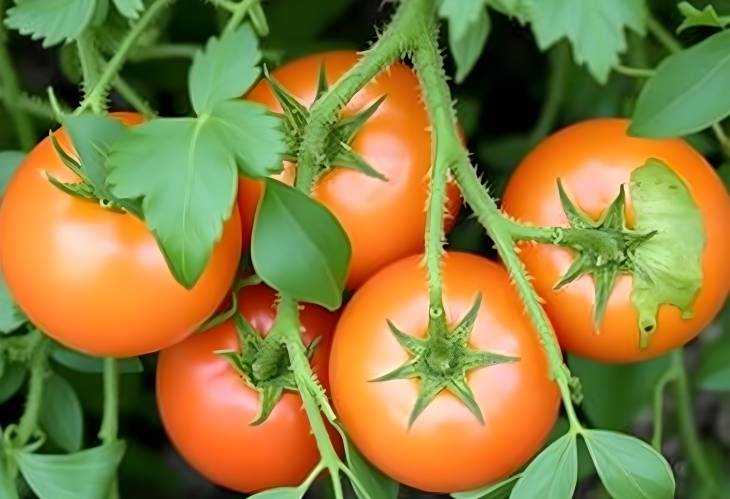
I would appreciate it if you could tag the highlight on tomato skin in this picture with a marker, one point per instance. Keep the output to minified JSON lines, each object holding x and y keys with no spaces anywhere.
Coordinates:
{"x":384,"y":219}
{"x":207,"y":408}
{"x":446,"y":449}
{"x":593,"y":159}
{"x":94,"y":279}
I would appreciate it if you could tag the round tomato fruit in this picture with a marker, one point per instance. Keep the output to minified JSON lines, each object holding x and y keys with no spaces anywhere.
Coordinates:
{"x":445,"y":448}
{"x":395,"y":141}
{"x":95,"y":279}
{"x":593,"y":160}
{"x":207,"y":407}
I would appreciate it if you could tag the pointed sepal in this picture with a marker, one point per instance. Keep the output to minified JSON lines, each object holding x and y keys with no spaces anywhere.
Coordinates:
{"x":576,"y":217}
{"x":322,"y":85}
{"x":462,"y":390}
{"x":430,"y":388}
{"x":347,"y":158}
{"x":463,"y":330}
{"x":347,"y":128}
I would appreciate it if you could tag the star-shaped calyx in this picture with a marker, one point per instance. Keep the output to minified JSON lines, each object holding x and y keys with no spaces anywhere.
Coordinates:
{"x":337,"y":151}
{"x":604,"y":248}
{"x":263,"y":363}
{"x":442,"y":360}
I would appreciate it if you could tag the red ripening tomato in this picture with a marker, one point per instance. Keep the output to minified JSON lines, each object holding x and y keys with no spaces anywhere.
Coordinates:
{"x":593,"y":159}
{"x":447,"y":449}
{"x":385,"y":220}
{"x":206,"y":406}
{"x":93,"y":279}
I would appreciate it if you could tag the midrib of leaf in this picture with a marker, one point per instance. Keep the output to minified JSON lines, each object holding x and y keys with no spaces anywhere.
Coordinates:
{"x":190,"y":170}
{"x":328,"y":273}
{"x":692,"y":88}
{"x":628,"y":476}
{"x":553,"y":485}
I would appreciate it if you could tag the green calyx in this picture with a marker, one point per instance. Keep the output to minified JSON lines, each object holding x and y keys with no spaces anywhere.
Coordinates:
{"x":337,"y":150}
{"x":263,"y":363}
{"x":442,"y":360}
{"x":663,"y":252}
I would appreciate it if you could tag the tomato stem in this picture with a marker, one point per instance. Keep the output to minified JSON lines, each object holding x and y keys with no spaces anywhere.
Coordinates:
{"x":96,"y":91}
{"x":663,"y":35}
{"x":38,"y":369}
{"x":559,"y":57}
{"x":23,"y":123}
{"x":110,"y":418}
{"x":667,"y":377}
{"x":129,"y":94}
{"x":238,"y":12}
{"x":633,"y":72}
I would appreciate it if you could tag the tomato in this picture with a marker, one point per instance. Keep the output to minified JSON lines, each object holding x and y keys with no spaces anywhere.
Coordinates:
{"x":206,"y":406}
{"x":385,"y":220}
{"x":593,"y":159}
{"x":94,"y":279}
{"x":446,"y":449}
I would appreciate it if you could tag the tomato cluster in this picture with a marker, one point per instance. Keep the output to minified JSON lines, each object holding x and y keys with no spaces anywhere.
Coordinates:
{"x":95,"y":280}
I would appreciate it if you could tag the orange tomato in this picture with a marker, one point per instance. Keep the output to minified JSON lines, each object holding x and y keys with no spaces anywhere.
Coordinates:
{"x":206,"y":407}
{"x":93,"y":279}
{"x":593,"y":159}
{"x":385,"y":220}
{"x":447,"y":449}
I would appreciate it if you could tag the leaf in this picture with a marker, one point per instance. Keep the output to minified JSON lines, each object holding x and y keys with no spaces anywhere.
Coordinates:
{"x":92,"y":136}
{"x":61,"y":414}
{"x":688,"y":91}
{"x":519,"y":9}
{"x":500,"y":490}
{"x":12,"y":379}
{"x":11,"y":318}
{"x":299,"y":247}
{"x":615,"y":394}
{"x":669,"y":264}
{"x":375,"y":483}
{"x":187,"y":181}
{"x":9,"y":161}
{"x":253,"y":135}
{"x":629,"y":467}
{"x":225,"y":69}
{"x":461,"y":15}
{"x":84,"y":475}
{"x":87,"y":364}
{"x":280,"y":493}
{"x":713,"y":369}
{"x":552,"y":474}
{"x":595,"y":29}
{"x":129,"y":8}
{"x":53,"y":21}
{"x":696,"y":17}
{"x":467,"y":49}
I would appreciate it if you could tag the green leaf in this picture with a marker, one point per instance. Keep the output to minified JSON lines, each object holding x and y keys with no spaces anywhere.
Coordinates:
{"x":696,"y":17}
{"x":519,"y":9}
{"x":9,"y":161}
{"x":595,"y":29}
{"x":12,"y":379}
{"x":252,"y":134}
{"x":92,"y":136}
{"x":11,"y":318}
{"x":615,"y":394}
{"x":375,"y":483}
{"x":461,"y":15}
{"x":713,"y":369}
{"x":129,"y":8}
{"x":225,"y":69}
{"x":84,"y":475}
{"x":280,"y":493}
{"x":299,"y":247}
{"x":552,"y":474}
{"x":669,"y":264}
{"x":688,"y":91}
{"x":500,"y":490}
{"x":629,"y":467}
{"x":467,"y":49}
{"x":53,"y":21}
{"x":87,"y":364}
{"x":61,"y":414}
{"x":187,"y":181}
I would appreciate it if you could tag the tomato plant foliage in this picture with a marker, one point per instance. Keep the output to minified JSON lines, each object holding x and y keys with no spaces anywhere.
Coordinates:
{"x":361,"y":352}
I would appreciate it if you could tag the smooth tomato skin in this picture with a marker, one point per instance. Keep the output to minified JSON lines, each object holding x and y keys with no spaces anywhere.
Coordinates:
{"x":593,"y":158}
{"x":206,"y":407}
{"x":93,"y":279}
{"x":446,"y":449}
{"x":384,"y":220}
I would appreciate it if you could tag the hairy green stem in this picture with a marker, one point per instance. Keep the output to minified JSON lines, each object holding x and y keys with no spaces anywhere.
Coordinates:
{"x":238,"y":12}
{"x":559,"y":58}
{"x":96,"y":92}
{"x":663,"y":35}
{"x":395,"y":40}
{"x":687,"y":425}
{"x":135,"y":100}
{"x":166,"y":51}
{"x":89,"y":58}
{"x":110,"y":418}
{"x":38,"y":370}
{"x":438,"y":97}
{"x":23,"y":124}
{"x":658,"y":406}
{"x":634,"y":72}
